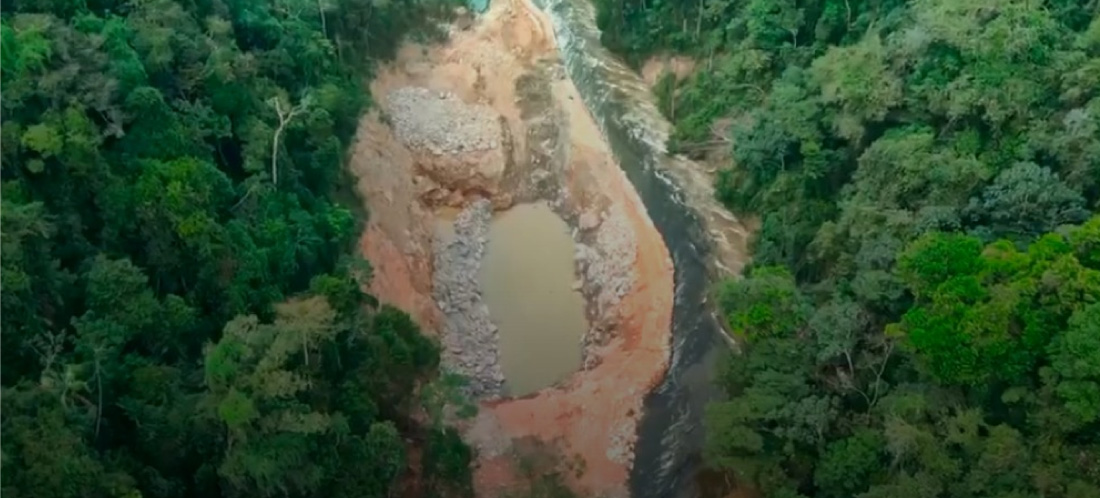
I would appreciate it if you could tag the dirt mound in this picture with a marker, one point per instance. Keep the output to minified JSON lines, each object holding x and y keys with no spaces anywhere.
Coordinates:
{"x":440,"y":122}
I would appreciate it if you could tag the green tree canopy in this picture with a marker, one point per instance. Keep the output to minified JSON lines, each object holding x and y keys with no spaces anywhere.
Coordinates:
{"x":177,"y":321}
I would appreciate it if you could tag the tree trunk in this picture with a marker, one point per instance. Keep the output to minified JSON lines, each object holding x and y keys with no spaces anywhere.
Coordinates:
{"x":284,"y":120}
{"x":99,"y":394}
{"x":622,"y":13}
{"x":699,"y":20}
{"x":275,"y":152}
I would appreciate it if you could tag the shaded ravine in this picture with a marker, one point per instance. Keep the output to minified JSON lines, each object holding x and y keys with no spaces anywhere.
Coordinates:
{"x":670,"y":435}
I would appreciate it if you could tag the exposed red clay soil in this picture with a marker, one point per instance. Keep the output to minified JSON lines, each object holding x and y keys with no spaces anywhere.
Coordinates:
{"x":397,"y":239}
{"x":603,"y":404}
{"x":593,"y":414}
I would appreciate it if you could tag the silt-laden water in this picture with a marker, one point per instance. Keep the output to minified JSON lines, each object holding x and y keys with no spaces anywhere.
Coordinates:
{"x":527,"y":280}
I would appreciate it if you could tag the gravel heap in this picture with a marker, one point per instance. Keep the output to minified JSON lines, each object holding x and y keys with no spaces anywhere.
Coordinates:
{"x":609,"y":261}
{"x":440,"y":122}
{"x":470,"y":340}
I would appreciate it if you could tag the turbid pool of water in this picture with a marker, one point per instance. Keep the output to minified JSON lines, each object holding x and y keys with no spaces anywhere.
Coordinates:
{"x":444,"y":227}
{"x":527,"y":281}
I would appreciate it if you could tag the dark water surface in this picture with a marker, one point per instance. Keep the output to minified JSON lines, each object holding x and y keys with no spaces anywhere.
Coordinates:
{"x":670,"y":434}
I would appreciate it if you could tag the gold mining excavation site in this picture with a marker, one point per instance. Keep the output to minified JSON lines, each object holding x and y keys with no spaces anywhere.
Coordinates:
{"x":500,"y":220}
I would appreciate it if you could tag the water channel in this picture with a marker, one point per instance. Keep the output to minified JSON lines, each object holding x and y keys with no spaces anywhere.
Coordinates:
{"x":670,"y":435}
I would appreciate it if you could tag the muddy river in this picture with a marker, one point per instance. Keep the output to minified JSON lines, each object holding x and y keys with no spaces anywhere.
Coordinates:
{"x":527,"y":281}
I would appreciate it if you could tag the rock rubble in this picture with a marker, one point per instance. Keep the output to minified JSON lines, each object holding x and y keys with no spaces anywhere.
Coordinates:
{"x":440,"y":122}
{"x":608,"y":260}
{"x":470,"y":339}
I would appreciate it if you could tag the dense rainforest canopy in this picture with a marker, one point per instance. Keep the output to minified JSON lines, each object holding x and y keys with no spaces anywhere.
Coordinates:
{"x":922,"y":316}
{"x":181,"y":316}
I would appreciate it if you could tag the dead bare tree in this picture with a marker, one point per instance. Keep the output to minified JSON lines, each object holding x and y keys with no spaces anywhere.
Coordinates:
{"x":285,"y":116}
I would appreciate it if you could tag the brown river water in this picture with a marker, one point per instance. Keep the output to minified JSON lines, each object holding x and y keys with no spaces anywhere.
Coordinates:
{"x":527,"y":282}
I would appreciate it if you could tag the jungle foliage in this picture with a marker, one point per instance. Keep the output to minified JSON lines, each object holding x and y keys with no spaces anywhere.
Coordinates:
{"x":921,"y":315}
{"x":181,"y":314}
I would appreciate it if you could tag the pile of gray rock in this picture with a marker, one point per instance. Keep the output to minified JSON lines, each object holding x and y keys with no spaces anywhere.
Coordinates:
{"x":608,"y":261}
{"x":440,"y":122}
{"x":470,"y":339}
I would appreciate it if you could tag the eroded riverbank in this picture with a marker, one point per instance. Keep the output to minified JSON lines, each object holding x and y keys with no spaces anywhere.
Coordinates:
{"x":511,"y":128}
{"x":705,"y":240}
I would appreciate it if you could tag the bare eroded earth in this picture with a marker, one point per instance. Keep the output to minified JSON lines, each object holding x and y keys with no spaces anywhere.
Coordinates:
{"x":539,"y":145}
